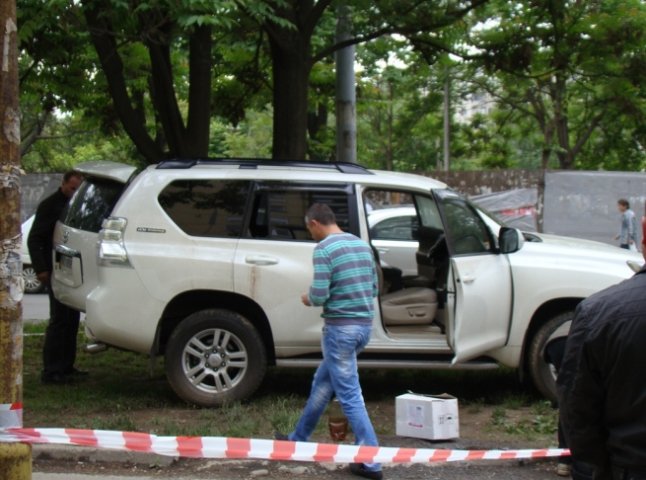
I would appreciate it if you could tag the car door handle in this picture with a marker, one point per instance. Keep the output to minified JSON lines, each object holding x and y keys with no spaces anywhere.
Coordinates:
{"x":261,"y":260}
{"x":383,"y":250}
{"x":468,"y":279}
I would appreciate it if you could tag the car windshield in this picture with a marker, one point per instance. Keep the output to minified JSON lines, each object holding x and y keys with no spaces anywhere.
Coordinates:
{"x":492,"y":221}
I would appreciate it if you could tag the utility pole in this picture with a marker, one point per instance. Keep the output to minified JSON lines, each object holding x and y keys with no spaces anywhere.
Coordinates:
{"x":15,"y":458}
{"x":447,"y":122}
{"x":346,"y":123}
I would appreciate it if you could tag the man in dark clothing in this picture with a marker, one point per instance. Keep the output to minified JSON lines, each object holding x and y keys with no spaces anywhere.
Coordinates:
{"x":602,"y":385}
{"x":59,"y":350}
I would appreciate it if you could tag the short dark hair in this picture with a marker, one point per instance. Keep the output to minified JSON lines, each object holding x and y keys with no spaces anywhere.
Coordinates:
{"x":71,"y":173}
{"x":321,"y":213}
{"x":623,"y":202}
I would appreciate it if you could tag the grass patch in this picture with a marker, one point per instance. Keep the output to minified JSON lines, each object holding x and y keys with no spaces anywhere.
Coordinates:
{"x":124,"y":391}
{"x":541,"y":420}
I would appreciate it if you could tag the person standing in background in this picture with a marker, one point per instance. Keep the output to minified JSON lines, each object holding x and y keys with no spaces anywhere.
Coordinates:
{"x":59,"y":350}
{"x":628,"y":231}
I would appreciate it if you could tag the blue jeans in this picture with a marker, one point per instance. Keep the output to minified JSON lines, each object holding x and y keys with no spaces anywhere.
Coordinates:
{"x":338,"y":374}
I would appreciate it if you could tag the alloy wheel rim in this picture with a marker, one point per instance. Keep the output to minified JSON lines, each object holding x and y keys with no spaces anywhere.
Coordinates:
{"x":214,"y":360}
{"x":31,"y":279}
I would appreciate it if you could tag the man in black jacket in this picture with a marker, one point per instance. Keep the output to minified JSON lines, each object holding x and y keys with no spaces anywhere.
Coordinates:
{"x":602,"y":384}
{"x":59,"y":350}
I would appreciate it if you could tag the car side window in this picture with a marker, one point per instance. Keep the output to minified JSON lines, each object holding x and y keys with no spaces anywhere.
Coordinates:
{"x":206,"y":208}
{"x":279,"y":214}
{"x":467,"y":233}
{"x":397,"y":228}
{"x":429,"y":213}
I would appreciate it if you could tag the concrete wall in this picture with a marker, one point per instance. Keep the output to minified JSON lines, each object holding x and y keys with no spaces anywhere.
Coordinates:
{"x":35,"y":187}
{"x":584,"y":204}
{"x":480,"y":182}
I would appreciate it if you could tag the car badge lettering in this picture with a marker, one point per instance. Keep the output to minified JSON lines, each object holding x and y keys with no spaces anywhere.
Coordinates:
{"x":66,"y":235}
{"x":151,"y":230}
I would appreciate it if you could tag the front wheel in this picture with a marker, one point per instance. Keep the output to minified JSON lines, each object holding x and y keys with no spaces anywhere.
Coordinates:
{"x":543,"y":374}
{"x":214,"y":357}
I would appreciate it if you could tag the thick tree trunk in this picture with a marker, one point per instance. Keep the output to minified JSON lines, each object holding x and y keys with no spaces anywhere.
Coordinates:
{"x":291,"y":70}
{"x":106,"y":48}
{"x":199,"y":93}
{"x":164,"y":98}
{"x":15,"y":459}
{"x":188,"y":139}
{"x":291,"y":52}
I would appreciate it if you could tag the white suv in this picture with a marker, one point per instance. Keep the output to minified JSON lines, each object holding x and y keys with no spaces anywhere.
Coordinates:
{"x":204,"y":262}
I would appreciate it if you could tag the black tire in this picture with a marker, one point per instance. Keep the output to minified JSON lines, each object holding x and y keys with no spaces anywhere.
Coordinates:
{"x":32,"y":284}
{"x":542,"y":374}
{"x":215,"y":357}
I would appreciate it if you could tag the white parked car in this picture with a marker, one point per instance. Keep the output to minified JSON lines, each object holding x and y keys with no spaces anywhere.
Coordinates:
{"x":32,"y":284}
{"x":204,"y":262}
{"x":393,"y":232}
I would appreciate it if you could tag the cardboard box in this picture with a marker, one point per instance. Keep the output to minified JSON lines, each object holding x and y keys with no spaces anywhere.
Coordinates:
{"x":433,"y":417}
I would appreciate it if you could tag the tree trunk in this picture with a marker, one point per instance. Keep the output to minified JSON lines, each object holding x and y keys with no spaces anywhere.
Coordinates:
{"x":291,"y":70}
{"x":548,"y":133}
{"x":164,"y":98}
{"x":33,"y":134}
{"x":199,"y":93}
{"x":188,"y":139}
{"x":15,"y":459}
{"x":106,"y":48}
{"x":316,"y":128}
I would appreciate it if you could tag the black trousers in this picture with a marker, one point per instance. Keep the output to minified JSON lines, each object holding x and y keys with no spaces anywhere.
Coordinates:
{"x":619,"y":473}
{"x":567,"y":459}
{"x":59,"y":351}
{"x":585,"y":471}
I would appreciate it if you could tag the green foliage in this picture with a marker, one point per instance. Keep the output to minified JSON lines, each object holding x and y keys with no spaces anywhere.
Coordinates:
{"x":576,"y":69}
{"x":567,"y":79}
{"x":251,"y":138}
{"x":67,"y":141}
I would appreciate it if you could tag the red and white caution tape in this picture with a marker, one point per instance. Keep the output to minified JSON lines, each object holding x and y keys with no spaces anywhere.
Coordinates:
{"x":245,"y":448}
{"x":10,"y":415}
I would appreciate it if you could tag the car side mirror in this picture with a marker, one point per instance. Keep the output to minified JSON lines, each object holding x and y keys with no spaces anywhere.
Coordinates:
{"x":510,"y":240}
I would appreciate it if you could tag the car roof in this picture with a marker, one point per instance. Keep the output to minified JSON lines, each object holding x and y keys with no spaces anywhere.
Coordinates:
{"x":119,"y":172}
{"x":377,"y":215}
{"x":299,"y":171}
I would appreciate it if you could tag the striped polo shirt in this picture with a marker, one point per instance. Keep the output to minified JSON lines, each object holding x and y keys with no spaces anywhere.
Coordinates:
{"x":345,"y":280}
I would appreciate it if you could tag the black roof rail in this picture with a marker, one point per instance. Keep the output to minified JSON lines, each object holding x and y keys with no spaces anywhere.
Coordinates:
{"x":343,"y":167}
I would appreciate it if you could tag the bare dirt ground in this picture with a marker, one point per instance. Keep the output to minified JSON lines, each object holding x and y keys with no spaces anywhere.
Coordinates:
{"x":236,"y":470}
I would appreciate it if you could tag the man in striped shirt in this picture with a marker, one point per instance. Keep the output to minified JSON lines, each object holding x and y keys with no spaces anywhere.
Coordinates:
{"x":345,"y":284}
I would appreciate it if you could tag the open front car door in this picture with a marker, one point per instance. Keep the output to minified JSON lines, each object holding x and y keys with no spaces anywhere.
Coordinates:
{"x":479,"y":284}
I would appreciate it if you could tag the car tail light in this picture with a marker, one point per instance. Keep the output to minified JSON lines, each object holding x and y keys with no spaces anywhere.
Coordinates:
{"x":112,"y":251}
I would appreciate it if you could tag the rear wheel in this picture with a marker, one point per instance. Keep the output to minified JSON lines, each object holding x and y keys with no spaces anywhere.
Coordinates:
{"x":543,"y":374}
{"x":214,"y":357}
